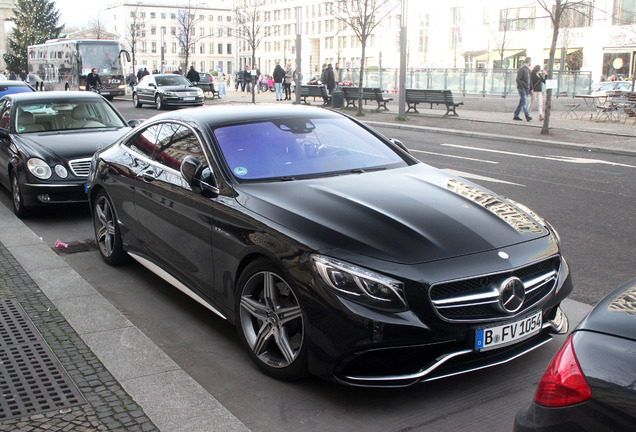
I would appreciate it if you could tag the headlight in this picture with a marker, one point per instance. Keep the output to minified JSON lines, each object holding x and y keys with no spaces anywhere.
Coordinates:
{"x":361,"y":285}
{"x":169,"y":93}
{"x":39,"y":168}
{"x":199,"y":92}
{"x":61,"y":171}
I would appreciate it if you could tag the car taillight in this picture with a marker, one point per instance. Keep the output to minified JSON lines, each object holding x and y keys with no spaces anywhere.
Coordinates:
{"x":563,"y":383}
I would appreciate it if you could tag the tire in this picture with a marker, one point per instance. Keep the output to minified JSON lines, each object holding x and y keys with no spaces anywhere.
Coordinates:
{"x":159,"y":103}
{"x":20,"y":210}
{"x":107,"y":234}
{"x":270,"y":322}
{"x":136,"y":102}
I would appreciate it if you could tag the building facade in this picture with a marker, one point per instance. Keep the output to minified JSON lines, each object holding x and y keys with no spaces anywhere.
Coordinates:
{"x":161,"y":34}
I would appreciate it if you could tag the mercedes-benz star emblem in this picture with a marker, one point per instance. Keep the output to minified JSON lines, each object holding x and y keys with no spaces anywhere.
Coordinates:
{"x":511,"y":295}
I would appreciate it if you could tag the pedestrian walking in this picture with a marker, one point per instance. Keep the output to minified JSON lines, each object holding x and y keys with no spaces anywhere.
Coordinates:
{"x":279,"y":76}
{"x":537,"y":79}
{"x":328,"y":78}
{"x":287,"y":81}
{"x":524,"y":89}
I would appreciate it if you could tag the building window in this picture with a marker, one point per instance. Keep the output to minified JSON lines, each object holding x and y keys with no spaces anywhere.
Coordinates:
{"x":173,"y":31}
{"x":624,"y":12}
{"x":516,"y":19}
{"x":202,"y":48}
{"x":211,"y":48}
{"x":153,"y":15}
{"x":229,"y":49}
{"x":579,"y":16}
{"x":153,"y":47}
{"x":455,"y":36}
{"x":153,"y":30}
{"x":163,"y":15}
{"x":220,"y":47}
{"x":143,"y":47}
{"x":173,"y":48}
{"x":219,"y":18}
{"x":228,"y":18}
{"x":173,"y":16}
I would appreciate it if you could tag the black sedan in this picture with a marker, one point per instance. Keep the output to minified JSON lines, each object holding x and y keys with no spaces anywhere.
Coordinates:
{"x":329,"y":247}
{"x":590,"y":383}
{"x":167,"y":90}
{"x":47,"y":141}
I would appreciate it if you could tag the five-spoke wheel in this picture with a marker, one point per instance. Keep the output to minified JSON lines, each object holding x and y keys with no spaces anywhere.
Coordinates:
{"x":19,"y":208}
{"x":107,"y":231}
{"x":270,"y":321}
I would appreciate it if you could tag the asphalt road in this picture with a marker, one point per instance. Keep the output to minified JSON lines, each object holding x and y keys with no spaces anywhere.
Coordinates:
{"x":588,"y":197}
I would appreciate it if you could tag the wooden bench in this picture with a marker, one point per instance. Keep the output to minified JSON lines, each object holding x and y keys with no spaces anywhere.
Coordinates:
{"x":209,"y":87}
{"x":368,"y":94}
{"x":314,"y":91}
{"x":437,"y":97}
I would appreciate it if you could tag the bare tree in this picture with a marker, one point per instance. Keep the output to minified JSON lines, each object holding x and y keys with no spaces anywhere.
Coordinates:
{"x":187,"y":22}
{"x":134,"y":33}
{"x":501,"y":36}
{"x":98,"y":24}
{"x":250,"y":21}
{"x":362,"y":17}
{"x":556,"y":10}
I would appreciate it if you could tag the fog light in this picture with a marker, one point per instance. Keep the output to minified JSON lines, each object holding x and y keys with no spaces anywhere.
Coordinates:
{"x":44,"y":197}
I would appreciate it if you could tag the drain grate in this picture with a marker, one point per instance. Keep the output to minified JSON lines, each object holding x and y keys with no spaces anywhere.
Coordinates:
{"x":32,"y":380}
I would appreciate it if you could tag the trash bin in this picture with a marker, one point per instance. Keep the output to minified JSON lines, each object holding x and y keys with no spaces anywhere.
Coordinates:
{"x":337,"y":98}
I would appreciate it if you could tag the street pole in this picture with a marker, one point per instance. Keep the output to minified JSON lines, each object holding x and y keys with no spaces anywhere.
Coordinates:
{"x":298,"y":74}
{"x":402,"y":98}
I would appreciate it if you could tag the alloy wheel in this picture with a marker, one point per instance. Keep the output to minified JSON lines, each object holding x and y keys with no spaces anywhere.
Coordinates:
{"x":105,"y":230}
{"x":271,"y":320}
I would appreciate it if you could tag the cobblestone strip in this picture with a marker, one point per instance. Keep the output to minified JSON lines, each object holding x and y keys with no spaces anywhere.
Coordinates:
{"x":109,"y":407}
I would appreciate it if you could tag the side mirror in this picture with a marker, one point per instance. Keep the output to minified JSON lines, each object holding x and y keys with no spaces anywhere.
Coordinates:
{"x":152,"y":85}
{"x":199,"y":177}
{"x":400,"y":145}
{"x":133,"y":123}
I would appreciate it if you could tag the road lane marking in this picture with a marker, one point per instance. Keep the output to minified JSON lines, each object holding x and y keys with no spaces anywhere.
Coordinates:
{"x":467,"y":175}
{"x":454,"y":156}
{"x":569,"y":159}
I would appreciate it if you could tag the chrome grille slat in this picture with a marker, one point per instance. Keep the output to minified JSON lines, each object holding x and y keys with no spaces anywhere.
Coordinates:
{"x":80,"y":167}
{"x":473,"y":299}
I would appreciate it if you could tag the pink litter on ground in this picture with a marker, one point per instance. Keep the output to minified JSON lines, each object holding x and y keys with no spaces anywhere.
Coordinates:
{"x":59,"y":244}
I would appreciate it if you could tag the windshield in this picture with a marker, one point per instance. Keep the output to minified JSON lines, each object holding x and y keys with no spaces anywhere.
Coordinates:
{"x":289,"y":148}
{"x":172,"y":80}
{"x":103,"y":56}
{"x":63,"y":116}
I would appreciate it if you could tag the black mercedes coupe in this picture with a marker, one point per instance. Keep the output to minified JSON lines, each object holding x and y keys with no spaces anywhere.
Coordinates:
{"x":47,"y":140}
{"x":330,"y":247}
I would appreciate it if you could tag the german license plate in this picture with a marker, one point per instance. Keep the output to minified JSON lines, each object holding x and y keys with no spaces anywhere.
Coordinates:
{"x":105,"y":93}
{"x":487,"y":338}
{"x":188,"y":98}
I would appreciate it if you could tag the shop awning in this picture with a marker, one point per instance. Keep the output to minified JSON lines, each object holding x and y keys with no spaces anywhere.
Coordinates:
{"x":496,"y":55}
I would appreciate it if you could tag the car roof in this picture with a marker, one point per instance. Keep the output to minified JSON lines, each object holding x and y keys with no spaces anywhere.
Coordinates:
{"x":14,"y":83}
{"x":221,"y":115}
{"x":36,"y":97}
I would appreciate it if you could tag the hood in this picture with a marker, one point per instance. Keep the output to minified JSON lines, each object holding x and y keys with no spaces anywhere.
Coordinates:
{"x":69,"y":144}
{"x":409,"y":215}
{"x":178,"y":88}
{"x":615,"y":314}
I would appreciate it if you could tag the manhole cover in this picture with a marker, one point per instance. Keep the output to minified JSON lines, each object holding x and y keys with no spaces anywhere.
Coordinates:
{"x":32,"y":380}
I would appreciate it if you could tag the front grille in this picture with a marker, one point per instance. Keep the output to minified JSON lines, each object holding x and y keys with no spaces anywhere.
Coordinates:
{"x":476,"y":299}
{"x":80,"y":167}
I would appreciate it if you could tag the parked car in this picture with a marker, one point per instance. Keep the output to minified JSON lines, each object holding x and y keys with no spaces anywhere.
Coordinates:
{"x":589,"y":384}
{"x":205,"y":78}
{"x":14,"y":86}
{"x":166,"y":90}
{"x":46,"y":142}
{"x":330,"y":247}
{"x":601,"y":89}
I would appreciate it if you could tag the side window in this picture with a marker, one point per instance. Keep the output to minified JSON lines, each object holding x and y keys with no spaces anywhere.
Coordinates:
{"x":174,"y":143}
{"x":5,"y":117}
{"x":145,"y":141}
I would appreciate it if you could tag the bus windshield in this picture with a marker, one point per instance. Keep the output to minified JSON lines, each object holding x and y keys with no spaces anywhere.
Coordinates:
{"x":104,"y":57}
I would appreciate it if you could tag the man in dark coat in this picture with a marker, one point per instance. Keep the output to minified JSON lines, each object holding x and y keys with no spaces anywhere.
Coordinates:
{"x":523,"y":87}
{"x":193,"y":75}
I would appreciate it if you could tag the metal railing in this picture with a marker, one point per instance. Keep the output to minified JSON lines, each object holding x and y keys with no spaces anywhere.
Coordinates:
{"x":499,"y":82}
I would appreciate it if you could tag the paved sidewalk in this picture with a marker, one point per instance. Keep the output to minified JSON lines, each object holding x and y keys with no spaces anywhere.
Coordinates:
{"x":125,"y":382}
{"x":115,"y":378}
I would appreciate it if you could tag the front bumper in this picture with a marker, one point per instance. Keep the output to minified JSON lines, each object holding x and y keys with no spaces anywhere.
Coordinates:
{"x":180,"y":101}
{"x":43,"y":194}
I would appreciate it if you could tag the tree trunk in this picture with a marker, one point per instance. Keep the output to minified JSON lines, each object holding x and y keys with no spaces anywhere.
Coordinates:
{"x":545,"y":130}
{"x":361,"y":78}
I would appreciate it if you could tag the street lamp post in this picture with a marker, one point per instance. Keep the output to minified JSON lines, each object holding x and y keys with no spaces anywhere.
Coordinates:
{"x":298,"y":75}
{"x":402,"y":97}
